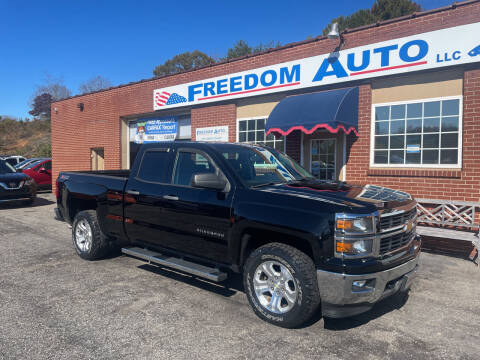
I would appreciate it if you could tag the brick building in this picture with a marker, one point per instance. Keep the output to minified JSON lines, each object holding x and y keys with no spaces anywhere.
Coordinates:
{"x":416,"y":119}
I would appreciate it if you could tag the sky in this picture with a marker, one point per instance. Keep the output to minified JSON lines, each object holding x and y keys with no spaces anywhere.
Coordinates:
{"x":123,"y":41}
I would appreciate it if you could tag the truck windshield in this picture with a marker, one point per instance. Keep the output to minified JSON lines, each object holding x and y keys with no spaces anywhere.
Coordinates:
{"x":6,"y":168}
{"x":258,"y":165}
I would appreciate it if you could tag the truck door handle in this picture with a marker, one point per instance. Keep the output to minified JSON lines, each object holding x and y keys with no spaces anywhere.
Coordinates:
{"x":170,"y":197}
{"x":133,"y":192}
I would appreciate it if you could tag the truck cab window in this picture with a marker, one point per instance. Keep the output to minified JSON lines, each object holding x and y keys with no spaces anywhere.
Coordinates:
{"x":155,"y":166}
{"x":261,"y":165}
{"x":189,"y":164}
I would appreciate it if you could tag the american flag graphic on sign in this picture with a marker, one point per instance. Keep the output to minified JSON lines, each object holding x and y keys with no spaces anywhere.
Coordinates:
{"x":164,"y":98}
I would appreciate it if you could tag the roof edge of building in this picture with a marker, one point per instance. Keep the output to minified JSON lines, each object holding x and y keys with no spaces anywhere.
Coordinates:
{"x":286,"y":46}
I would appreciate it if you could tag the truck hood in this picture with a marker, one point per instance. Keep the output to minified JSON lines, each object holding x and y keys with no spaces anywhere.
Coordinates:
{"x":353,"y":196}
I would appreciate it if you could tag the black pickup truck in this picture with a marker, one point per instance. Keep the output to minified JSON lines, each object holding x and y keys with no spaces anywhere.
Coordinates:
{"x":212,"y":208}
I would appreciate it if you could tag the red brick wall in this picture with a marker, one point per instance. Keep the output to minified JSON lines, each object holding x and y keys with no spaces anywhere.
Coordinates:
{"x":216,"y":116}
{"x":358,"y":148}
{"x":293,"y":145}
{"x":75,"y":132}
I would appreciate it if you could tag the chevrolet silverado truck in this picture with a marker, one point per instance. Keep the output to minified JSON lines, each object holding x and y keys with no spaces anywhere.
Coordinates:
{"x":213,"y":209}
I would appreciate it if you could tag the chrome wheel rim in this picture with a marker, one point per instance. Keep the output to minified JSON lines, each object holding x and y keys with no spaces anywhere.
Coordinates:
{"x":275,"y":287}
{"x":83,"y":236}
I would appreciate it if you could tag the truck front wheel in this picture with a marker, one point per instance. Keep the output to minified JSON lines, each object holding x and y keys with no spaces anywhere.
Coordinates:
{"x":88,"y":240}
{"x":281,"y":285}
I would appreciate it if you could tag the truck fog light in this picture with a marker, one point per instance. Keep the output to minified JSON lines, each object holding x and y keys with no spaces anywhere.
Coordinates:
{"x":363,"y":285}
{"x":359,"y":283}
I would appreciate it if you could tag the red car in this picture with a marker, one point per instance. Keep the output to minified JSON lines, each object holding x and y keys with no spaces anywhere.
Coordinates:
{"x":41,"y":172}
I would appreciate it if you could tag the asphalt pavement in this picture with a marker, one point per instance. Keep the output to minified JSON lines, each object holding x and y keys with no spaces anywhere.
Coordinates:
{"x":54,"y":305}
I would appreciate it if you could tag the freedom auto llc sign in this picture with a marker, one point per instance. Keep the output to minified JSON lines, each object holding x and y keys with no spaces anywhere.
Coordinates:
{"x":436,"y":49}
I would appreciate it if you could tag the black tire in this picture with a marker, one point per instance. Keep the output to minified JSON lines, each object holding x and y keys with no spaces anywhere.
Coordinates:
{"x":99,"y":246}
{"x":302,"y":270}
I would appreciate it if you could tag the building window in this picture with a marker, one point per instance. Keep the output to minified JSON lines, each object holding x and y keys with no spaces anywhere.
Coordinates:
{"x":423,"y":133}
{"x":253,"y":131}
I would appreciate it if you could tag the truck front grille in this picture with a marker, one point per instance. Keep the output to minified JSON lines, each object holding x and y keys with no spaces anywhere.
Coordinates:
{"x":392,"y":221}
{"x":398,"y":237}
{"x":393,"y":242}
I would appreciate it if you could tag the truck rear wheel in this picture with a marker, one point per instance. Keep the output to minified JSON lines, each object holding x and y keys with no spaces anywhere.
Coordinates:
{"x":88,"y":240}
{"x":281,"y":285}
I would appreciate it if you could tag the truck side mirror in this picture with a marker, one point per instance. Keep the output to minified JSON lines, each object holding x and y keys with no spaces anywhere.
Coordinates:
{"x":209,"y":181}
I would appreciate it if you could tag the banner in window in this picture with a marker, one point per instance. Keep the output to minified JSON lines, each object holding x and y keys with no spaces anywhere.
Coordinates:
{"x":156,"y":130}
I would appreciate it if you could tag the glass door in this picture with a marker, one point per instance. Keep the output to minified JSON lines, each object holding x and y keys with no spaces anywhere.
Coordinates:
{"x":322,"y":162}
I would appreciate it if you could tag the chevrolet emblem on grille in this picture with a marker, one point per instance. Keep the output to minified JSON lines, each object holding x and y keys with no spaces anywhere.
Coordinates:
{"x":409,"y":225}
{"x":12,"y":184}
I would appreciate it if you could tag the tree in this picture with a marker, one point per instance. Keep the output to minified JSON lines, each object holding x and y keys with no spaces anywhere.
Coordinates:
{"x":380,"y":11}
{"x":241,"y":48}
{"x":359,"y":18}
{"x":55,"y":87}
{"x":96,"y":83}
{"x":41,"y":105}
{"x":52,"y":90}
{"x":183,"y":62}
{"x":389,"y":9}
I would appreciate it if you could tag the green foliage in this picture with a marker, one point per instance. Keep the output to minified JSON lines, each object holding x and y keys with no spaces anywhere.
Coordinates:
{"x":389,"y":9}
{"x":196,"y":59}
{"x":241,"y":48}
{"x":183,"y":62}
{"x":381,"y":10}
{"x":43,"y":150}
{"x":24,"y":137}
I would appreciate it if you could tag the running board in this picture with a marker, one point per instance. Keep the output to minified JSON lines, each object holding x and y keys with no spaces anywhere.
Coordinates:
{"x":206,"y":272}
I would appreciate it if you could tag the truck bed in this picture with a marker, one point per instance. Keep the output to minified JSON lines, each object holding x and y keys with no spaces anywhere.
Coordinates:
{"x":95,"y":182}
{"x":111,"y":173}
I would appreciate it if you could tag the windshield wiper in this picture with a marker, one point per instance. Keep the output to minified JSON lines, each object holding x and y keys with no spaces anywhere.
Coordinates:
{"x":302,"y":180}
{"x":266,"y":184}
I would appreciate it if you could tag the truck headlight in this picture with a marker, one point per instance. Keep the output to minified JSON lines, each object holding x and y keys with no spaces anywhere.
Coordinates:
{"x":360,"y":225}
{"x":29,"y":181}
{"x":354,"y":235}
{"x":354,"y":247}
